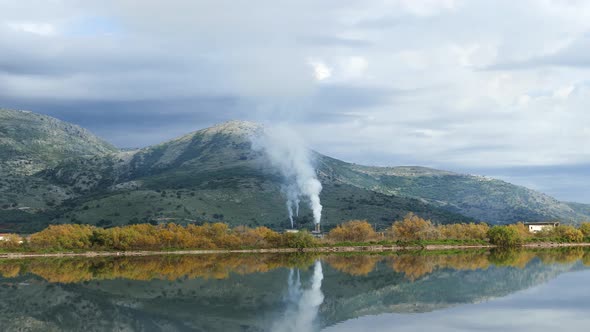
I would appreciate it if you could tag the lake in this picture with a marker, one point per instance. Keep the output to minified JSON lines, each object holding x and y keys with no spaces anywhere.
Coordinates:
{"x":545,"y":290}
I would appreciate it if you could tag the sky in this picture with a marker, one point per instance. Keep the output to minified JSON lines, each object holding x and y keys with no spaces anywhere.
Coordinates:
{"x":497,"y":88}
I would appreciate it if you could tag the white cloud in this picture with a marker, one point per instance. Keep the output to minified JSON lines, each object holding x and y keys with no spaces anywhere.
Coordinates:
{"x":563,"y":92}
{"x":353,"y":67}
{"x":339,"y":69}
{"x":425,"y":7}
{"x":321,"y":71}
{"x":37,"y":28}
{"x":523,"y":100}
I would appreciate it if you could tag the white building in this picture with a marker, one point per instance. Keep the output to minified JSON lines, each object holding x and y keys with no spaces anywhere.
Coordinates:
{"x":535,"y":227}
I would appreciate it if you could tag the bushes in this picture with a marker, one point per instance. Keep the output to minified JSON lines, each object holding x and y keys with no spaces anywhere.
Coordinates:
{"x":261,"y":237}
{"x":413,"y":228}
{"x":585,"y":229}
{"x":161,"y":237}
{"x":464,"y":231}
{"x":63,"y":237}
{"x":297,"y":240}
{"x":522,"y":230}
{"x":565,"y":233}
{"x":11,"y":241}
{"x":568,"y":233}
{"x":353,"y":231}
{"x":220,"y":236}
{"x":505,"y":236}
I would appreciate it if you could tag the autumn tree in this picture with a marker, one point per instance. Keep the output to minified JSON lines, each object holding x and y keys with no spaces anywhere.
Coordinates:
{"x":11,"y":241}
{"x":69,"y":236}
{"x":522,"y":229}
{"x":568,"y":233}
{"x":353,"y":231}
{"x":413,"y":228}
{"x":464,"y":231}
{"x":585,"y":229}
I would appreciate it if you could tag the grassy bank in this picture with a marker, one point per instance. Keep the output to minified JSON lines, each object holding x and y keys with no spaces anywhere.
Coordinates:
{"x":350,"y":249}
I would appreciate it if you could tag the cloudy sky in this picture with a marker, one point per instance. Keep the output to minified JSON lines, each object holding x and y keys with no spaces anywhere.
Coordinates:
{"x":498,"y":88}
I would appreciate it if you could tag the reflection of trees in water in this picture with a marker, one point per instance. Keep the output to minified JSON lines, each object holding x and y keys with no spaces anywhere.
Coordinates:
{"x":412,"y":265}
{"x":69,"y":270}
{"x":357,"y":265}
{"x":9,"y":270}
{"x":511,"y":258}
{"x":416,"y":265}
{"x":571,"y":255}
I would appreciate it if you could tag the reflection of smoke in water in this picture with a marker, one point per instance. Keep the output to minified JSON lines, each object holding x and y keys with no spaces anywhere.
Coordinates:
{"x":294,"y":284}
{"x":303,"y":304}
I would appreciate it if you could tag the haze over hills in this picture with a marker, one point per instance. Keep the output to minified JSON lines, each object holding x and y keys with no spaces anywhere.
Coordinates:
{"x":71,"y":176}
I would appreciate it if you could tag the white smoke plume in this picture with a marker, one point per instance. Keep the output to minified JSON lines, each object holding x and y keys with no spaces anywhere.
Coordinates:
{"x":288,"y":153}
{"x":303,"y":304}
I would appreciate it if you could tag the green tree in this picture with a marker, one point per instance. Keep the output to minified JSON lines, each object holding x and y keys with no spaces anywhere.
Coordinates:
{"x":569,"y":233}
{"x":505,"y":236}
{"x":585,"y":229}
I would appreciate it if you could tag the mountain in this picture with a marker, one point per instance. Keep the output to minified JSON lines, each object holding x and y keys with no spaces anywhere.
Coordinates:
{"x":214,"y":175}
{"x":30,"y":142}
{"x":479,"y":197}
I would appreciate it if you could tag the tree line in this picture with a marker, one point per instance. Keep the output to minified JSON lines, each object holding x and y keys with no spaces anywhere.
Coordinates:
{"x":414,"y":229}
{"x":411,"y":229}
{"x":156,"y":237}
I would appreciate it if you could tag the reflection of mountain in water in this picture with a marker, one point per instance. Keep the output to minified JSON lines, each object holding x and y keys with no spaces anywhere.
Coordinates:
{"x":384,"y":292}
{"x":255,"y":301}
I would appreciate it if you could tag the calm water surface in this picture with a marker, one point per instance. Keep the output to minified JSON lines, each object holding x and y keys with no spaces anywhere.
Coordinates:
{"x":470,"y":291}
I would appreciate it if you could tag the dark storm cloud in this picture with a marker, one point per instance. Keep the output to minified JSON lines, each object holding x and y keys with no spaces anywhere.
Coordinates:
{"x":46,"y":57}
{"x":127,"y":123}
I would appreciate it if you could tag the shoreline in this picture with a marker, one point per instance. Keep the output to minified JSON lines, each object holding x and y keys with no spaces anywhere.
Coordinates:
{"x":333,"y":249}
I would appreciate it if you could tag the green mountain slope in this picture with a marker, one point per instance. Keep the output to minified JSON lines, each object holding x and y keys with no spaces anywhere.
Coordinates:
{"x":30,"y":141}
{"x":210,"y":175}
{"x":478,"y":197}
{"x":215,"y":175}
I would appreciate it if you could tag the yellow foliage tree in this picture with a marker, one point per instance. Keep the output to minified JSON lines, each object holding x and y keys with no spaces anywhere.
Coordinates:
{"x":353,"y":231}
{"x":11,"y":241}
{"x":413,"y":228}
